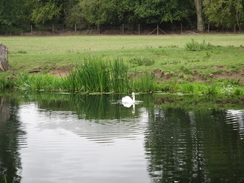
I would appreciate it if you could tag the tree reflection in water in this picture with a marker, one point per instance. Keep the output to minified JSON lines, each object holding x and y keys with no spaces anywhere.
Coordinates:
{"x":10,"y":137}
{"x":181,"y":145}
{"x":195,"y":146}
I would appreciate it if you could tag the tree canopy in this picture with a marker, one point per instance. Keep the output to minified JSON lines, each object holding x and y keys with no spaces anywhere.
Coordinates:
{"x":17,"y":15}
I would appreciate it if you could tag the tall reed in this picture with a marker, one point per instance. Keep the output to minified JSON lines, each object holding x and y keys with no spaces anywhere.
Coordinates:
{"x":5,"y":179}
{"x":119,"y":77}
{"x":144,"y":83}
{"x":98,"y":76}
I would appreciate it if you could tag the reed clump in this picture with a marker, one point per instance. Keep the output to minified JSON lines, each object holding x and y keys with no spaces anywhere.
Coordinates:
{"x":91,"y":76}
{"x":98,"y":76}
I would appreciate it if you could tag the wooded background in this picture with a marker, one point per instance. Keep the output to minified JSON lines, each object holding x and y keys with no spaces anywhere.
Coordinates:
{"x":17,"y":16}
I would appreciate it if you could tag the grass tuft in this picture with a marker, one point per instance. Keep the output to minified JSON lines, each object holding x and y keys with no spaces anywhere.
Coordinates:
{"x":5,"y":81}
{"x":195,"y":46}
{"x":142,"y":61}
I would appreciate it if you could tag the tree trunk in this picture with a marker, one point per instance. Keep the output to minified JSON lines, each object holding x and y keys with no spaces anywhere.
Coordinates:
{"x":123,"y":28}
{"x":200,"y":25}
{"x":139,"y":29}
{"x":98,"y":29}
{"x":53,"y":29}
{"x":4,"y":66}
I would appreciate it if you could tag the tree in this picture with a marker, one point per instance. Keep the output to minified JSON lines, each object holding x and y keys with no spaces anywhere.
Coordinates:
{"x":200,"y":24}
{"x":159,"y":11}
{"x":11,"y":16}
{"x":226,"y":13}
{"x":126,"y":11}
{"x":98,"y":12}
{"x":73,"y":15}
{"x":44,"y":11}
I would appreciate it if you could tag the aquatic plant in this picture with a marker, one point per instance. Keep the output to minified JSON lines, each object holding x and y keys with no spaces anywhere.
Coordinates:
{"x":98,"y":76}
{"x":119,"y":76}
{"x":5,"y":179}
{"x":90,"y":77}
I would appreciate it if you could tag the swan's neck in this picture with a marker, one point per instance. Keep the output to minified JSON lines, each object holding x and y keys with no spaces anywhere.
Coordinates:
{"x":133,"y":98}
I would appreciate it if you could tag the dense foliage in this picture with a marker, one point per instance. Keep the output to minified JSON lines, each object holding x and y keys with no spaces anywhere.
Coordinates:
{"x":18,"y":15}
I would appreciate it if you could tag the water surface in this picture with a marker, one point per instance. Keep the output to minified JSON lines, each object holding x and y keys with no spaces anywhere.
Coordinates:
{"x":81,"y":138}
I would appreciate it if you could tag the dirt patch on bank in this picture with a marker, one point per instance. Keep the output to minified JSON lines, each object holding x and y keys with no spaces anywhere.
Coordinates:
{"x":59,"y":71}
{"x":237,"y":76}
{"x":159,"y":75}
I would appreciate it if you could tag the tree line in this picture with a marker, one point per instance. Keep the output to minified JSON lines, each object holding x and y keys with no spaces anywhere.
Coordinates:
{"x":18,"y":15}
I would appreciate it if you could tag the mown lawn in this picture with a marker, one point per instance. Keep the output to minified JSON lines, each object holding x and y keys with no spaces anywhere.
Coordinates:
{"x":141,"y":53}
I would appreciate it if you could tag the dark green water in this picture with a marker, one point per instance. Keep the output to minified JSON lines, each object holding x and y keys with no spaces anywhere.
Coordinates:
{"x":78,"y":138}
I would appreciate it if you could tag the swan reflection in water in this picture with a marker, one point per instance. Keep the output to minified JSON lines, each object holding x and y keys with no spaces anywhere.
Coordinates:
{"x":127,"y":102}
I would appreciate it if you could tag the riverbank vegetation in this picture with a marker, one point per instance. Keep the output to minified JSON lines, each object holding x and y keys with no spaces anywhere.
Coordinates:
{"x":194,"y":64}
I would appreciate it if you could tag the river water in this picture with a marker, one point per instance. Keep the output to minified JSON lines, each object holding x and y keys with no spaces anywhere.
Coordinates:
{"x":80,"y":138}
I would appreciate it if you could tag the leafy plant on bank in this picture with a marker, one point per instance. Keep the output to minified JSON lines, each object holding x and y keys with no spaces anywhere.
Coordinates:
{"x":38,"y":82}
{"x":5,"y":81}
{"x":196,"y":46}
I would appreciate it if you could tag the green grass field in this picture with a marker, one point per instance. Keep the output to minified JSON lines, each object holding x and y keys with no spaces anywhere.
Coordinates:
{"x":166,"y":54}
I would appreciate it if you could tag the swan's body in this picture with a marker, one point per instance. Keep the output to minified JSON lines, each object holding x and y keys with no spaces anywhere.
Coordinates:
{"x":129,"y":100}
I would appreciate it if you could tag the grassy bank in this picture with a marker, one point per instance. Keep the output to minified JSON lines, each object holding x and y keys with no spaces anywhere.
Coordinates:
{"x":95,"y":76}
{"x":197,"y":64}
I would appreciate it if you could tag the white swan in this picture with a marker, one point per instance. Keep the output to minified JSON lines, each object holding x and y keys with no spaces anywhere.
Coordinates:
{"x":128,"y":100}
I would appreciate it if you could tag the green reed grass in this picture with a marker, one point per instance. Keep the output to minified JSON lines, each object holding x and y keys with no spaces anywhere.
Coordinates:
{"x":5,"y":179}
{"x":119,"y":77}
{"x":92,"y":76}
{"x":38,"y":82}
{"x":98,"y":76}
{"x":144,"y":83}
